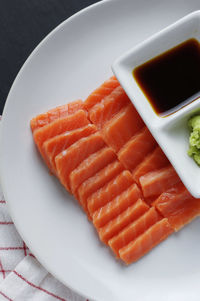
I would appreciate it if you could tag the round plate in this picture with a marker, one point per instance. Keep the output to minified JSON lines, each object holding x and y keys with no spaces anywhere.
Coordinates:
{"x":73,"y":60}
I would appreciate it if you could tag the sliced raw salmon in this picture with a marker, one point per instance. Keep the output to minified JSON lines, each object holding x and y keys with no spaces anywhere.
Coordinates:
{"x":128,"y":216}
{"x":90,"y":166}
{"x":52,"y":147}
{"x":57,"y":127}
{"x":135,"y":150}
{"x":184,"y":214}
{"x":86,"y":163}
{"x":70,"y":158}
{"x":108,"y":192}
{"x":122,"y":127}
{"x":156,"y":182}
{"x":153,"y":161}
{"x":97,"y":181}
{"x":168,"y":200}
{"x":108,"y":107}
{"x":150,"y":200}
{"x":97,"y":95}
{"x":178,"y":206}
{"x":55,"y":113}
{"x":135,"y":229}
{"x":127,"y":198}
{"x":146,"y":241}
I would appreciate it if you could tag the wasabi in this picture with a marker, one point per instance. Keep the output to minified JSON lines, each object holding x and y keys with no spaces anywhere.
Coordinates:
{"x":194,"y":140}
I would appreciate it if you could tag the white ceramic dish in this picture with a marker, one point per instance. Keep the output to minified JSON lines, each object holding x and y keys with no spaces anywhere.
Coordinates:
{"x":171,"y":132}
{"x":68,"y":64}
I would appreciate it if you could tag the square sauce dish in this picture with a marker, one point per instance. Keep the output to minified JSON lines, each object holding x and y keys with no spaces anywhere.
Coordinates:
{"x":161,"y":78}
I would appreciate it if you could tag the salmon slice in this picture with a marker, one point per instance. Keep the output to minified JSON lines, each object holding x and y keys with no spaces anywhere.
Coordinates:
{"x":52,"y":147}
{"x":178,"y":206}
{"x":127,"y":198}
{"x":122,"y":127}
{"x":90,"y":166}
{"x":108,"y":192}
{"x":97,"y":95}
{"x":97,"y":181}
{"x":156,"y":182}
{"x":153,"y":161}
{"x":150,"y":200}
{"x":57,"y":127}
{"x":184,"y":214}
{"x":145,"y":242}
{"x":70,"y":158}
{"x":172,"y":198}
{"x":135,"y":229}
{"x":135,"y":150}
{"x":55,"y":113}
{"x":108,"y":107}
{"x":128,"y":216}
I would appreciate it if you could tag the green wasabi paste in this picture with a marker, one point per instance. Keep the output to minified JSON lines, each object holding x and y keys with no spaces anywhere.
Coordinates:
{"x":194,"y":140}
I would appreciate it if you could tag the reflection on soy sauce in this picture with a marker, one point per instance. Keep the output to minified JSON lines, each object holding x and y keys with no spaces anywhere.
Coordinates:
{"x":171,"y":80}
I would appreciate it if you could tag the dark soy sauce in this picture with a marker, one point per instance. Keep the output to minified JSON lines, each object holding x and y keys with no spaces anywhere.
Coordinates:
{"x":171,"y":80}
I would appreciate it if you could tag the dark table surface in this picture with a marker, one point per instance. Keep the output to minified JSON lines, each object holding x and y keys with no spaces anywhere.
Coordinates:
{"x":23,"y":24}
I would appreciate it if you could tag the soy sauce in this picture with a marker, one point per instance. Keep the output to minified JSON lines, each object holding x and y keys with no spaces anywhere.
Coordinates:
{"x":171,"y":80}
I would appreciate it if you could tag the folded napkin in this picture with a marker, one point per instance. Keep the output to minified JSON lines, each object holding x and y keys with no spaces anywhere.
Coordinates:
{"x":22,"y":278}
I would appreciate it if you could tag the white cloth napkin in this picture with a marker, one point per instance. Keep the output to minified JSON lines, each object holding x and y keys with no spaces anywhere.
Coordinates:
{"x":22,"y":278}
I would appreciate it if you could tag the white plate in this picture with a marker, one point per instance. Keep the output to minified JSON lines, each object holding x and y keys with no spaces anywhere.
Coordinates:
{"x":74,"y":59}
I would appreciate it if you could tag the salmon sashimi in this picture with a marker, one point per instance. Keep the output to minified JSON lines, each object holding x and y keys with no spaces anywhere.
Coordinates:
{"x":91,"y":166}
{"x":135,"y":150}
{"x":70,"y":158}
{"x":146,"y":241}
{"x":150,"y":200}
{"x":55,"y":113}
{"x":108,"y":192}
{"x":184,"y":214}
{"x":156,"y":182}
{"x":52,"y":147}
{"x":102,"y":153}
{"x":122,"y":127}
{"x":57,"y":127}
{"x":128,"y":216}
{"x":135,"y":229}
{"x":127,"y":198}
{"x":100,"y":179}
{"x":172,"y":198}
{"x":153,"y":161}
{"x":108,"y":107}
{"x":178,"y":206}
{"x":97,"y":95}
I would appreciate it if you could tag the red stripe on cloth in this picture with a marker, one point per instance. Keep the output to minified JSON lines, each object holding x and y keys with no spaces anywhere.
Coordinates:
{"x":2,"y":269}
{"x":2,"y":201}
{"x":11,"y":248}
{"x":38,"y":287}
{"x":25,"y":248}
{"x":6,"y":223}
{"x":31,"y":255}
{"x":6,"y":297}
{"x":5,"y":271}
